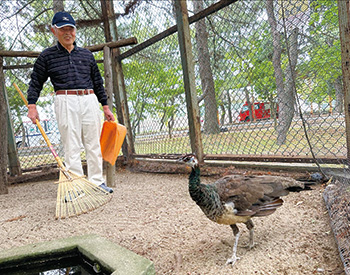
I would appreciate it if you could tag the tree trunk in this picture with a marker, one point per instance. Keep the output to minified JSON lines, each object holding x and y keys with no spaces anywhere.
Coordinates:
{"x":285,"y":95}
{"x":171,"y":119}
{"x":229,"y":107}
{"x":3,"y":135}
{"x":211,"y":124}
{"x":339,"y":96}
{"x":58,"y":5}
{"x":249,"y":103}
{"x":223,"y":114}
{"x":288,"y":100}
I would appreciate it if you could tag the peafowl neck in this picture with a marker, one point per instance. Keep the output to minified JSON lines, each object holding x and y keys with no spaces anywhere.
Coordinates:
{"x":199,"y":192}
{"x":205,"y":196}
{"x":195,"y":180}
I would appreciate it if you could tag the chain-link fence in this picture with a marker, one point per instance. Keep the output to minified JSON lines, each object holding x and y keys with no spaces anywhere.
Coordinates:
{"x":268,"y":76}
{"x":269,"y":82}
{"x":26,"y":27}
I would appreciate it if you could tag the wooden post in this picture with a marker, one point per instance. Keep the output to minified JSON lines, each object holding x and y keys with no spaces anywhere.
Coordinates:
{"x":14,"y":163}
{"x":344,"y":31}
{"x":115,"y":58}
{"x":3,"y":136}
{"x":105,"y":20}
{"x":120,"y":90}
{"x":125,"y":109}
{"x":58,"y":5}
{"x":189,"y":78}
{"x":110,"y":169}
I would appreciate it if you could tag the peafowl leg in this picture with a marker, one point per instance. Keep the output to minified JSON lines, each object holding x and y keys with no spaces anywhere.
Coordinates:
{"x":234,"y":257}
{"x":250,"y":227}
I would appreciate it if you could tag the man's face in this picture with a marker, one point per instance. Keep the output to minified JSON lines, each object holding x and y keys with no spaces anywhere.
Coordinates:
{"x":65,"y":35}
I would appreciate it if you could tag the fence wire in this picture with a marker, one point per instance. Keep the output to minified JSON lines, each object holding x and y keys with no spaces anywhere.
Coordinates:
{"x":336,"y":198}
{"x":26,"y":27}
{"x":258,"y":68}
{"x":267,"y":73}
{"x":244,"y":110}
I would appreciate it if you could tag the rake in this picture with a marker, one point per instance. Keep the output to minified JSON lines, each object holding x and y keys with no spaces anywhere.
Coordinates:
{"x":76,"y":195}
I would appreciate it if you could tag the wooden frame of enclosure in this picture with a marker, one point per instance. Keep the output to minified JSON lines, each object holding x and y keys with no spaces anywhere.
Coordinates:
{"x":115,"y":85}
{"x":114,"y":79}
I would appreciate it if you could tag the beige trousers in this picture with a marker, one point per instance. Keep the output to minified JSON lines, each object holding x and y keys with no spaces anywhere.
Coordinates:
{"x":79,"y":120}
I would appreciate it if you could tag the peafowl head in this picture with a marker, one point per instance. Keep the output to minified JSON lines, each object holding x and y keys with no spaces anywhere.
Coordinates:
{"x":189,"y":159}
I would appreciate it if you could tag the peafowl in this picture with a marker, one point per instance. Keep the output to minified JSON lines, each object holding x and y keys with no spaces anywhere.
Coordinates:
{"x":236,"y":198}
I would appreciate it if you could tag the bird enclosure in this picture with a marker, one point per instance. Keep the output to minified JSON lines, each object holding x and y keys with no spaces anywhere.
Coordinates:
{"x":260,"y":81}
{"x":267,"y":73}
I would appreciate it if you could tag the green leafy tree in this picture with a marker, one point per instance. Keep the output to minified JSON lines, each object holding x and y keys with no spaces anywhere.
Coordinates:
{"x":323,"y":67}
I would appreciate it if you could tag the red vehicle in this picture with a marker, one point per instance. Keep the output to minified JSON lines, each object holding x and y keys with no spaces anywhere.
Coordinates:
{"x":262,"y":110}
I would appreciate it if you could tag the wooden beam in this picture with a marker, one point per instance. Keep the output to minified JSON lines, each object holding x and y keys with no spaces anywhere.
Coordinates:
{"x":23,"y":66}
{"x":110,"y":169}
{"x":94,"y":48}
{"x":198,"y":16}
{"x":189,"y":78}
{"x":113,"y":44}
{"x":3,"y":136}
{"x":105,"y":20}
{"x":19,"y":54}
{"x":30,"y":65}
{"x":344,"y":31}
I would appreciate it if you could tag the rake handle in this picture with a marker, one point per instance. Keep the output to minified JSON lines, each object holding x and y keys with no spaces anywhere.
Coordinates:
{"x":59,"y":161}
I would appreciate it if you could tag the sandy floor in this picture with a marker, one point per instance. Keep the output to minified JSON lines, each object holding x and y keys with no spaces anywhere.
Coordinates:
{"x":154,"y":216}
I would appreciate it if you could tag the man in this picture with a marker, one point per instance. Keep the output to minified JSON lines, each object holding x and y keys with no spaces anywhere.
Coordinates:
{"x":79,"y":90}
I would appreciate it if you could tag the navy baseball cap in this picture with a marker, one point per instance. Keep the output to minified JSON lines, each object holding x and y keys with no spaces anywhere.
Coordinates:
{"x":62,"y":19}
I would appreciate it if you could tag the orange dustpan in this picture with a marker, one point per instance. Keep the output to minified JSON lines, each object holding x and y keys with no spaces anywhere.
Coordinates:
{"x":111,"y":140}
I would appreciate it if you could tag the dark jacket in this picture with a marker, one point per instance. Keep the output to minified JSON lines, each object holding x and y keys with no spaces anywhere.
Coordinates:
{"x":67,"y":71}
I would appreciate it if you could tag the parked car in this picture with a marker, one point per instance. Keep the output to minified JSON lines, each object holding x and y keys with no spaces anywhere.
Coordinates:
{"x":262,"y":110}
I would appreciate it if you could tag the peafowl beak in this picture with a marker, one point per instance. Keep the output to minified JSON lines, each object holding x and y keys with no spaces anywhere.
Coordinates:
{"x":189,"y":159}
{"x":182,"y":159}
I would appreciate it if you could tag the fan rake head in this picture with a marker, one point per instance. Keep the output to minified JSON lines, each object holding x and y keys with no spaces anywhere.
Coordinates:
{"x":76,"y":195}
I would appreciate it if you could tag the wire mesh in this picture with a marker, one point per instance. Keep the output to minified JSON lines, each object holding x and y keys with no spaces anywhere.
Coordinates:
{"x":26,"y":27}
{"x":335,"y":196}
{"x":243,"y":110}
{"x":251,"y":102}
{"x":267,"y":73}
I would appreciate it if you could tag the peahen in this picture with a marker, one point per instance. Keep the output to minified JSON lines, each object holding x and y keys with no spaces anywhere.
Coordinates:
{"x":236,"y":198}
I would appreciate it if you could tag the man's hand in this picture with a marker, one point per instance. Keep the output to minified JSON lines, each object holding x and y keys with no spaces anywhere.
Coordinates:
{"x":108,"y":114}
{"x":33,"y":113}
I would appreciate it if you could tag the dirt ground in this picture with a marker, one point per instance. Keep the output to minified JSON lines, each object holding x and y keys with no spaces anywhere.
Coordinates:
{"x":154,"y":216}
